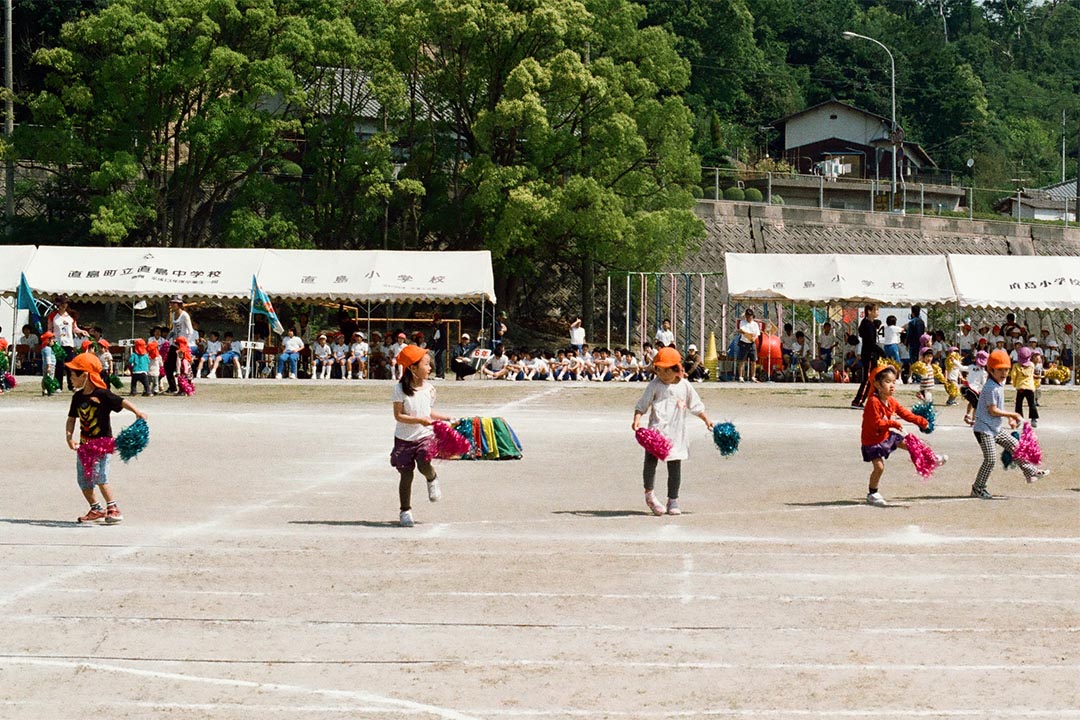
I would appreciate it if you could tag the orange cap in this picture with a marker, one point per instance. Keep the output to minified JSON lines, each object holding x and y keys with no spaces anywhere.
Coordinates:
{"x":89,"y":364}
{"x":103,"y":343}
{"x":410,"y":355}
{"x":998,"y":359}
{"x":667,"y":357}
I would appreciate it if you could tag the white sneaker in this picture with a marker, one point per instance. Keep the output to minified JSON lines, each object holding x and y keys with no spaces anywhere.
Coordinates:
{"x":405,"y":520}
{"x":673,"y":507}
{"x":277,"y":376}
{"x":292,"y":376}
{"x":875,"y":499}
{"x":941,"y":459}
{"x":1040,"y":473}
{"x":653,"y":504}
{"x":434,"y":492}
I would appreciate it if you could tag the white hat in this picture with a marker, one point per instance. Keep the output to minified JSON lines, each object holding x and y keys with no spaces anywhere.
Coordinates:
{"x":1052,"y":343}
{"x":692,"y":346}
{"x":322,"y":337}
{"x":999,"y":339}
{"x":466,"y":336}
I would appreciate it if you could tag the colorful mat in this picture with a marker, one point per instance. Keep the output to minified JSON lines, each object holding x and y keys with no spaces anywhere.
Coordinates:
{"x":489,"y":439}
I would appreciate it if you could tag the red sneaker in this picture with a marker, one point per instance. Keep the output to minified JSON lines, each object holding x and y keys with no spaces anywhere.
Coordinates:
{"x":93,"y":516}
{"x":113,"y":516}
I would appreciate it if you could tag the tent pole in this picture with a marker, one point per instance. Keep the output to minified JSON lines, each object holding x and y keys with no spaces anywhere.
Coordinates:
{"x":250,"y":325}
{"x":701,"y":311}
{"x":686,"y":309}
{"x":608,"y":343}
{"x":629,"y":316}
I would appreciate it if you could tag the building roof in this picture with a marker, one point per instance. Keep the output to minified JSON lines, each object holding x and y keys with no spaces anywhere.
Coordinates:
{"x":1051,"y":197}
{"x":787,"y":118}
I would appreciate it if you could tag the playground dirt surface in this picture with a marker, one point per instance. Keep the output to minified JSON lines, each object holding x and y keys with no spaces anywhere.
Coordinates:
{"x":260,"y":573}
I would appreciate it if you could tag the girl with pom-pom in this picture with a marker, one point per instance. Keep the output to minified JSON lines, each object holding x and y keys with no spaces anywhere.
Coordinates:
{"x":668,"y":398}
{"x":988,"y":429}
{"x":879,"y":436}
{"x":91,"y":404}
{"x":413,"y":397}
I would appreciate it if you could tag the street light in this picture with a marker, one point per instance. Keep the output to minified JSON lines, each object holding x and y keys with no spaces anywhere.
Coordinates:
{"x":848,"y":35}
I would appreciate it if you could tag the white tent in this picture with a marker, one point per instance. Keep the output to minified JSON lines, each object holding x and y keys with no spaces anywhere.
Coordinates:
{"x":100,"y":273}
{"x":13,"y":261}
{"x":378,"y":275}
{"x":808,"y":278}
{"x":1023,"y":282}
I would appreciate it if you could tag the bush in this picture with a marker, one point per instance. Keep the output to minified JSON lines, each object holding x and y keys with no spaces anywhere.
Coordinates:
{"x":752,"y":195}
{"x":777,"y":199}
{"x":734,"y":193}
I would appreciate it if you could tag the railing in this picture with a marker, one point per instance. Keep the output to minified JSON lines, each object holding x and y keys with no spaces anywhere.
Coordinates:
{"x":918,"y":194}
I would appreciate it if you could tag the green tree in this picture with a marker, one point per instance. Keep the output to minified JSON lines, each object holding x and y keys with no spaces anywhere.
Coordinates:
{"x":551,"y":133}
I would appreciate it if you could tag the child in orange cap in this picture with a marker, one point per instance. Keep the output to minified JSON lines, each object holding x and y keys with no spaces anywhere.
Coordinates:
{"x":413,"y":397}
{"x":668,"y":398}
{"x":988,"y":430}
{"x":139,"y":362}
{"x":91,"y":404}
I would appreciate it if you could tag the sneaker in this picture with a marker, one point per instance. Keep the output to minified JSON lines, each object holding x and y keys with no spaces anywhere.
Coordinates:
{"x":405,"y":520}
{"x":277,"y":376}
{"x":741,"y":379}
{"x":1034,"y":423}
{"x":941,"y":459}
{"x":434,"y":492}
{"x":856,"y":406}
{"x":113,"y":515}
{"x":981,"y":493}
{"x":673,"y":507}
{"x":292,"y":376}
{"x":1040,"y":473}
{"x":875,"y":499}
{"x":950,"y":401}
{"x":94,"y":515}
{"x":655,"y":505}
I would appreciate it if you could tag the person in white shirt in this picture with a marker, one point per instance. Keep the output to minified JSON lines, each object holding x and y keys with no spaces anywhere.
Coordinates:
{"x":211,"y":352}
{"x":290,"y":352}
{"x":358,"y":356}
{"x":746,"y":350}
{"x":890,"y":339}
{"x":577,"y":335}
{"x":400,"y":342}
{"x":340,"y":352}
{"x":322,"y":358}
{"x":664,"y":336}
{"x":826,"y":342}
{"x":966,"y":342}
{"x":497,"y":366}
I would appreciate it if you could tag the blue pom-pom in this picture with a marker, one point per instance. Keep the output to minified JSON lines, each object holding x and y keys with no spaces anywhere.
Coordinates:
{"x":133,"y":439}
{"x":925,"y":410}
{"x":1006,"y":454}
{"x":726,"y":438}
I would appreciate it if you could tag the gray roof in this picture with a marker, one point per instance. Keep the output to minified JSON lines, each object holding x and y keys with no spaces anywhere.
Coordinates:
{"x":1060,"y":191}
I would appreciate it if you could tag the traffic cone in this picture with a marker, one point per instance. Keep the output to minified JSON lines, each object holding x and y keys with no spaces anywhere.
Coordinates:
{"x":711,"y":357}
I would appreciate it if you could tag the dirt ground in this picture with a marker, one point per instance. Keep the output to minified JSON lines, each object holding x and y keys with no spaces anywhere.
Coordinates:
{"x":259,"y":571}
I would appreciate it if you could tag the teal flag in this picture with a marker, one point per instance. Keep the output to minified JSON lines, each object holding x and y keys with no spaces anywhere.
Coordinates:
{"x":260,"y":304}
{"x":26,"y":302}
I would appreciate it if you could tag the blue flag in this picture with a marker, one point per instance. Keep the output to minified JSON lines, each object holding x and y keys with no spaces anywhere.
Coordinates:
{"x":26,"y":302}
{"x":260,"y":304}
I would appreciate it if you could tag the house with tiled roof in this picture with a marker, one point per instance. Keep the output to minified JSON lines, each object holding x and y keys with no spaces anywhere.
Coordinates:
{"x":1053,"y":202}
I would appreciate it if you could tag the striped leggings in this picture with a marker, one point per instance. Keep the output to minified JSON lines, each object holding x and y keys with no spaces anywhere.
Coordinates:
{"x":1006,"y":440}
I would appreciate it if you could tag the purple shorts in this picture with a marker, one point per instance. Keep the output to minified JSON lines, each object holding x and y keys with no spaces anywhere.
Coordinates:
{"x":408,"y":453}
{"x":881,"y":449}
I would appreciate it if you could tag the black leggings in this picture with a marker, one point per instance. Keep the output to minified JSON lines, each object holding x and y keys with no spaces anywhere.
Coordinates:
{"x":405,"y":485}
{"x":674,"y":475}
{"x":1029,"y":395}
{"x":868,"y":358}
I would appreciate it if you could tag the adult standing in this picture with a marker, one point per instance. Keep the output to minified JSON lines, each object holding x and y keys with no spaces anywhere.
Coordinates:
{"x":181,"y":327}
{"x":500,"y":329}
{"x":65,"y":330}
{"x":913,"y":332}
{"x":439,"y":343}
{"x":746,"y":350}
{"x":869,"y":352}
{"x":577,"y":336}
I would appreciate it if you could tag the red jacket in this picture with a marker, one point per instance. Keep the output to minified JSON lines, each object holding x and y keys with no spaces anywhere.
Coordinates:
{"x":877,"y":419}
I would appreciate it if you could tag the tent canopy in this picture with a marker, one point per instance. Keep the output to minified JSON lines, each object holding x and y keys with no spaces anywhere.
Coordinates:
{"x":101,"y":274}
{"x":1022,"y":282}
{"x":808,"y":278}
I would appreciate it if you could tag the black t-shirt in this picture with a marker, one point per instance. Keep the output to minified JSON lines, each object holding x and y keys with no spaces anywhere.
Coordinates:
{"x":868,"y":335}
{"x":93,"y":412}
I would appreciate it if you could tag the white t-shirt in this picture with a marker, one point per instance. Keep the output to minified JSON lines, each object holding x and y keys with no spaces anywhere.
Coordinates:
{"x":63,"y":327}
{"x":359,"y":349}
{"x":577,"y":335}
{"x":891,"y":335}
{"x":668,"y":407}
{"x":292,"y":344}
{"x":321,"y":351}
{"x":417,"y":405}
{"x":787,"y":341}
{"x":664,"y":337}
{"x":213,"y":347}
{"x":339,"y":349}
{"x":495,"y":363}
{"x":827,"y":341}
{"x":751,"y":329}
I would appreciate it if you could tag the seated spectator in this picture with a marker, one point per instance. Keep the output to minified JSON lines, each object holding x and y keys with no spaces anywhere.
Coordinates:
{"x":339,"y":357}
{"x":692,"y":367}
{"x":840,"y":373}
{"x":461,"y":357}
{"x":322,"y":357}
{"x":497,"y":366}
{"x":787,"y":344}
{"x":358,"y":356}
{"x":210,"y":352}
{"x":290,"y":352}
{"x":809,"y":373}
{"x":230,"y":354}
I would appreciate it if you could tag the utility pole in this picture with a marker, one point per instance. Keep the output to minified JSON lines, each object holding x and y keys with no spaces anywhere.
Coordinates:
{"x":9,"y":121}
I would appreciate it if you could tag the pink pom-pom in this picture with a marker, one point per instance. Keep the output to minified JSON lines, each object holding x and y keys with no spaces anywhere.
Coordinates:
{"x":923,"y":457}
{"x":449,"y":443}
{"x":92,"y":450}
{"x":186,"y":386}
{"x":654,"y":442}
{"x":9,"y":381}
{"x":1028,"y":448}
